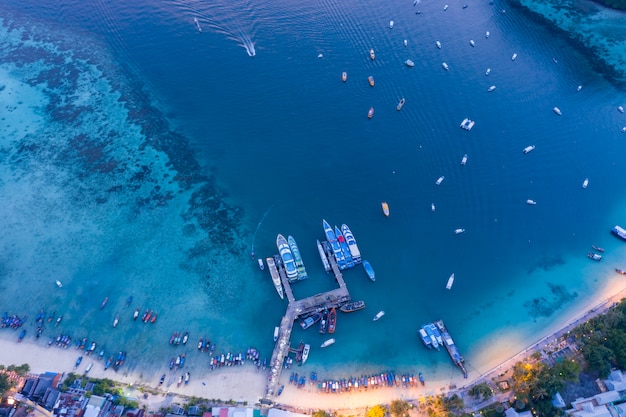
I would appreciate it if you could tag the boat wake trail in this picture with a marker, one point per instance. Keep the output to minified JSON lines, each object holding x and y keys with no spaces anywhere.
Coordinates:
{"x":258,"y":226}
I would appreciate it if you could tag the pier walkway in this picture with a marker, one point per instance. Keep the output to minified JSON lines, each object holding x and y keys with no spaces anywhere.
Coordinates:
{"x":298,"y":308}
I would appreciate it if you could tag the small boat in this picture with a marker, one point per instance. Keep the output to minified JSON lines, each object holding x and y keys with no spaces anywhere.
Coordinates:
{"x":185,"y":338}
{"x":620,"y":271}
{"x":531,"y":202}
{"x":467,"y":124}
{"x":378,"y":315}
{"x":385,"y":207}
{"x":136,"y":314}
{"x":195,"y":20}
{"x":514,"y":57}
{"x":465,"y":6}
{"x":162,"y":380}
{"x":594,"y":256}
{"x":21,"y":336}
{"x":261,"y":264}
{"x":370,"y":80}
{"x":180,"y":381}
{"x":597,"y":248}
{"x":490,"y":89}
{"x":432,"y":207}
{"x":409,"y":63}
{"x":464,"y":160}
{"x":332,"y":320}
{"x":310,"y":320}
{"x":440,"y":180}
{"x":472,"y":43}
{"x":129,"y":300}
{"x":450,"y":282}
{"x":89,"y":367}
{"x":276,"y":330}
{"x":585,"y":182}
{"x":372,"y":55}
{"x":280,"y":390}
{"x":391,"y":24}
{"x":369,"y":270}
{"x":459,"y":231}
{"x":445,"y":7}
{"x":488,"y":71}
{"x":305,"y":353}
{"x":445,"y":66}
{"x":104,"y":302}
{"x":370,"y":113}
{"x":406,"y":42}
{"x":116,"y":320}
{"x":580,"y":87}
{"x":557,"y":110}
{"x":353,"y":306}
{"x":344,"y":76}
{"x":555,"y":60}
{"x":58,"y":283}
{"x":487,"y":34}
{"x":187,"y":376}
{"x":438,"y":44}
{"x":58,"y":321}
{"x":320,"y":56}
{"x":327,"y":343}
{"x":400,"y":104}
{"x":78,"y":361}
{"x":620,"y":109}
{"x":529,"y":148}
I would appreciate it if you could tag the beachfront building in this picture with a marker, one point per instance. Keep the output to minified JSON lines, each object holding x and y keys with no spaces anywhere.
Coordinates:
{"x":604,"y":403}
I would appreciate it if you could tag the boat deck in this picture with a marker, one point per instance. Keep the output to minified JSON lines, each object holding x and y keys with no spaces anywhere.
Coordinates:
{"x":299,"y":308}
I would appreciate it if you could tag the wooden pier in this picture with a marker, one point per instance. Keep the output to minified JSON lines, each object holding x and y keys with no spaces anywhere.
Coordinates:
{"x":298,"y":308}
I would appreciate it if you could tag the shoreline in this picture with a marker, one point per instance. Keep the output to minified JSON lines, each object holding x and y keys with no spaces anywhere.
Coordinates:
{"x":245,"y":385}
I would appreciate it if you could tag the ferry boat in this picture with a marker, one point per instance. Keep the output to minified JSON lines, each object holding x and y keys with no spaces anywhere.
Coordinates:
{"x":531,"y":202}
{"x":344,"y":76}
{"x":378,"y":315}
{"x":450,"y":282}
{"x":400,"y":104}
{"x":353,"y":306}
{"x":464,"y":160}
{"x":297,"y":258}
{"x":351,"y":241}
{"x":585,"y":182}
{"x":261,"y":264}
{"x":409,"y":63}
{"x":370,"y":80}
{"x":490,"y":89}
{"x":372,"y":55}
{"x":310,"y":320}
{"x":385,"y":207}
{"x":467,"y":124}
{"x":275,"y":277}
{"x":327,"y":343}
{"x":440,"y":180}
{"x":323,"y":257}
{"x":287,"y":258}
{"x":370,"y":113}
{"x":513,"y":57}
{"x":425,"y":338}
{"x":332,"y":320}
{"x":594,"y":256}
{"x":529,"y":149}
{"x":619,"y":232}
{"x":438,"y":44}
{"x":344,"y":247}
{"x":369,"y":270}
{"x":334,"y":244}
{"x":557,"y":110}
{"x":445,"y":66}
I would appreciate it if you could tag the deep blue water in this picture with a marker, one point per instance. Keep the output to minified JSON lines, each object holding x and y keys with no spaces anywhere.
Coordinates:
{"x":279,"y":135}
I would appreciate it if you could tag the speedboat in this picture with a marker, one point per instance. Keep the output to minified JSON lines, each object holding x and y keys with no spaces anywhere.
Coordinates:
{"x":472,"y":43}
{"x":531,"y":202}
{"x":445,"y":7}
{"x":529,"y":148}
{"x":594,"y":256}
{"x":261,"y":264}
{"x":432,"y":207}
{"x":400,"y":104}
{"x":195,"y":20}
{"x":438,"y":44}
{"x":585,"y":182}
{"x":597,"y":248}
{"x":445,"y":66}
{"x":440,"y":180}
{"x":557,"y":110}
{"x":459,"y":231}
{"x":353,"y":306}
{"x":450,"y":282}
{"x":59,"y":284}
{"x":116,"y":320}
{"x":555,"y":60}
{"x":344,"y":76}
{"x":580,"y":87}
{"x":351,"y":241}
{"x":409,"y":63}
{"x":490,"y":89}
{"x":488,"y":71}
{"x":104,"y":302}
{"x":406,"y":42}
{"x":327,"y":343}
{"x":332,"y":320}
{"x":378,"y":315}
{"x":487,"y":34}
{"x":370,"y":80}
{"x":620,"y":109}
{"x":514,"y":57}
{"x":287,"y":257}
{"x":136,"y":314}
{"x":467,"y":124}
{"x":391,"y":24}
{"x":370,"y":113}
{"x":463,"y":160}
{"x":369,"y":270}
{"x":385,"y":207}
{"x":372,"y":55}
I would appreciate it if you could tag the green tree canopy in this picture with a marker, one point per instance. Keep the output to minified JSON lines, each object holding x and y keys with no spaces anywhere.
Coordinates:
{"x":321,"y":413}
{"x":399,"y":408}
{"x":5,"y":384}
{"x":376,"y":411}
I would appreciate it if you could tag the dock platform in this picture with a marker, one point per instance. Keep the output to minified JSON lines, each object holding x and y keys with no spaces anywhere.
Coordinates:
{"x":456,"y":357}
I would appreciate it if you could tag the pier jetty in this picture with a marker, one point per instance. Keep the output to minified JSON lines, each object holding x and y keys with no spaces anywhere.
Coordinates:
{"x":300,"y":308}
{"x":456,"y":357}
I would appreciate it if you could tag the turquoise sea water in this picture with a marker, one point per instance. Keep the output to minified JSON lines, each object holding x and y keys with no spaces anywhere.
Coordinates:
{"x":142,"y":157}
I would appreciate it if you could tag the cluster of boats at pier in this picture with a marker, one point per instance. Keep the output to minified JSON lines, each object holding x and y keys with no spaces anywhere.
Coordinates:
{"x":435,"y":335}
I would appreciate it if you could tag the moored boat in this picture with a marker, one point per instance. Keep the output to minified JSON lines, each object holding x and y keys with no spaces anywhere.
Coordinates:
{"x":323,"y":322}
{"x":287,"y":258}
{"x":271,"y":264}
{"x":351,"y":241}
{"x":276,"y":330}
{"x":620,"y":271}
{"x":450,"y":282}
{"x":305,"y":353}
{"x":597,"y":248}
{"x":344,"y":76}
{"x":385,"y":207}
{"x":323,"y":256}
{"x":369,"y":270}
{"x":378,"y":315}
{"x":370,"y":80}
{"x":327,"y":343}
{"x":429,"y":332}
{"x":261,"y":264}
{"x":400,"y":104}
{"x":372,"y":55}
{"x":594,"y":256}
{"x":344,"y":247}
{"x":332,"y":320}
{"x":370,"y":113}
{"x":297,"y":258}
{"x":585,"y":183}
{"x":353,"y":306}
{"x":310,"y":320}
{"x":619,"y":232}
{"x":529,"y":148}
{"x":425,"y":338}
{"x":334,"y":244}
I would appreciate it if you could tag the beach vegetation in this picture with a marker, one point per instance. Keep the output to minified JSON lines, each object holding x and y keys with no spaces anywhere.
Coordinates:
{"x":481,"y":391}
{"x":399,"y":408}
{"x":5,"y":384}
{"x":21,"y":370}
{"x":104,"y":386}
{"x":321,"y":413}
{"x":376,"y":411}
{"x":125,"y":402}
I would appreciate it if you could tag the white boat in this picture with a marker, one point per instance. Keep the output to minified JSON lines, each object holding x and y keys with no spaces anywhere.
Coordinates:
{"x":620,"y":109}
{"x":89,"y":367}
{"x":585,"y":182}
{"x":261,"y":264}
{"x":440,"y":180}
{"x":327,"y":343}
{"x":391,"y":24}
{"x":531,"y":202}
{"x":467,"y":124}
{"x":276,"y":330}
{"x":464,"y":160}
{"x":450,"y":282}
{"x":323,"y":257}
{"x":459,"y":231}
{"x":432,"y":207}
{"x":445,"y":66}
{"x":557,"y":110}
{"x":305,"y":353}
{"x":351,"y":241}
{"x":378,"y":315}
{"x":409,"y":63}
{"x":529,"y":148}
{"x":490,"y":89}
{"x":287,"y":256}
{"x":116,"y":320}
{"x":514,"y":57}
{"x":472,"y":43}
{"x":406,"y":42}
{"x":320,"y":56}
{"x":488,"y":71}
{"x":400,"y":104}
{"x":59,"y":284}
{"x":487,"y":34}
{"x":438,"y":44}
{"x":580,"y":87}
{"x":445,"y":7}
{"x":275,"y":277}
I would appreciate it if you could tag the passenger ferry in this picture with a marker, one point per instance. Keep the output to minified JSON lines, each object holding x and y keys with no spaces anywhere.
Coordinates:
{"x":619,"y":232}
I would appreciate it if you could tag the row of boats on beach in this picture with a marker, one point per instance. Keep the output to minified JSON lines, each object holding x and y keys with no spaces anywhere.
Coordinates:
{"x":358,"y":383}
